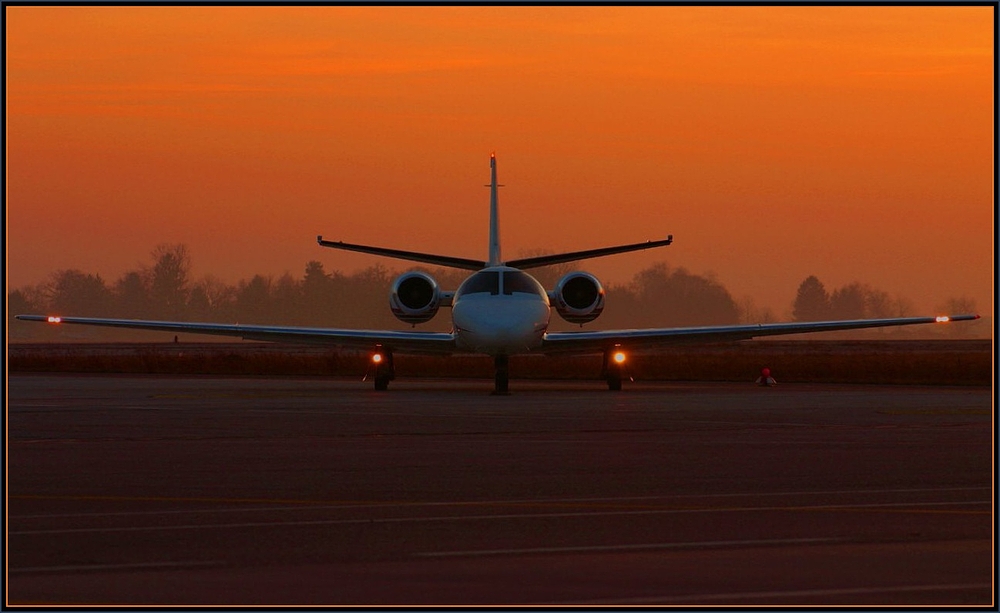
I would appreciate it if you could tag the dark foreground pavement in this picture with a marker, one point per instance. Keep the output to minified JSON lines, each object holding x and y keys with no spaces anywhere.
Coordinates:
{"x":166,"y":490}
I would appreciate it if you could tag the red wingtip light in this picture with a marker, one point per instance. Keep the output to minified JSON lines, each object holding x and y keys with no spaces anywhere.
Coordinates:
{"x":619,"y":357}
{"x":941,"y":320}
{"x":377,"y":358}
{"x":55,"y":320}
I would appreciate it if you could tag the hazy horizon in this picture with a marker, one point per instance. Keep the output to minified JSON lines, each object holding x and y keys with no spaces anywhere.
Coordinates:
{"x":851,"y":143}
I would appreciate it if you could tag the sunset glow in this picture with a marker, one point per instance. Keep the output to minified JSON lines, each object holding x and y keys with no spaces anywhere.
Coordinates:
{"x":773,"y":143}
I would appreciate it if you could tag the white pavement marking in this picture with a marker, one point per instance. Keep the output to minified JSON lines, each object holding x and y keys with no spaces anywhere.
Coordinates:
{"x":708,"y":598}
{"x":305,"y":506}
{"x":457,"y":518}
{"x":635,"y":547}
{"x":98,"y":567}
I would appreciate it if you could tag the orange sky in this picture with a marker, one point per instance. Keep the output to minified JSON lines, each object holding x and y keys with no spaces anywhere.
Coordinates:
{"x":853,"y":143}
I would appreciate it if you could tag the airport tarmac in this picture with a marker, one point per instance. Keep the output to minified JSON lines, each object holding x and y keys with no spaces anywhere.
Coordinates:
{"x":273,"y":491}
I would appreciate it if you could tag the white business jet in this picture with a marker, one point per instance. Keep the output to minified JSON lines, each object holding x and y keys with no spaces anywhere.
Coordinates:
{"x":500,"y":311}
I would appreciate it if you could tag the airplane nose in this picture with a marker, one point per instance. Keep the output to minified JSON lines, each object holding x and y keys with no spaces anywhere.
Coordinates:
{"x":513,"y":329}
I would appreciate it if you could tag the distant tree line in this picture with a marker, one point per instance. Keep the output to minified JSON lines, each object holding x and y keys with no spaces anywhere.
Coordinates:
{"x":861,"y":301}
{"x":657,"y":296}
{"x":853,"y":301}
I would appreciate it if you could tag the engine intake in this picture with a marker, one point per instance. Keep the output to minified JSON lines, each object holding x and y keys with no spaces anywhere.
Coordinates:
{"x":578,"y":297}
{"x":415,"y":297}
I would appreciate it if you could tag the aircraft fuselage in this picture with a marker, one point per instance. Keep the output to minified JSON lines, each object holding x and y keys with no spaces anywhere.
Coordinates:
{"x":500,"y":311}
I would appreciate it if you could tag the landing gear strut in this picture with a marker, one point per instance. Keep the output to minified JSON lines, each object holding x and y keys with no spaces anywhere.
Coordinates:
{"x":613,"y":369}
{"x":502,"y":376}
{"x":383,"y":370}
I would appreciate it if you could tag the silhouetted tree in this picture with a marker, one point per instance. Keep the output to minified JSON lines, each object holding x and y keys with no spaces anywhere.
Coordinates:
{"x":901,"y":307}
{"x":812,"y":303}
{"x":199,"y":308}
{"x":221,"y":298}
{"x":320,"y":298}
{"x":368,"y":303}
{"x":848,"y":302}
{"x":168,"y":280}
{"x":131,"y":293}
{"x":28,"y":299}
{"x":19,"y":302}
{"x":316,"y":281}
{"x":286,"y":300}
{"x":679,"y":298}
{"x":621,"y":308}
{"x":877,"y":303}
{"x":750,"y":314}
{"x":253,"y":300}
{"x":958,"y":306}
{"x":75,"y":293}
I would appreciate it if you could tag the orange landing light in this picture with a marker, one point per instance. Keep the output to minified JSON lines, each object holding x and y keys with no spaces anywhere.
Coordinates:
{"x":941,"y":320}
{"x":377,"y":358}
{"x":55,"y":320}
{"x":619,"y":357}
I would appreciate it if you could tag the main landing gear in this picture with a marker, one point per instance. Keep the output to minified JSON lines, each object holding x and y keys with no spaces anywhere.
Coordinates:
{"x":502,"y":376}
{"x":614,"y":368}
{"x":382,"y":369}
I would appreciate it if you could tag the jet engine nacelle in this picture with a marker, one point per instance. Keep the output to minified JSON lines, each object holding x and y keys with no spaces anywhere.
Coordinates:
{"x":578,"y":297}
{"x":415,"y":297}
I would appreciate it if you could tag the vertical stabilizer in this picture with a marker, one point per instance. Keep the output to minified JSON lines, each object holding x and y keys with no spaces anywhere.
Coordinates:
{"x":494,"y":259}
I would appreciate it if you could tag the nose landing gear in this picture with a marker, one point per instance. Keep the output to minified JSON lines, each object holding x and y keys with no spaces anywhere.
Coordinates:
{"x":502,"y":376}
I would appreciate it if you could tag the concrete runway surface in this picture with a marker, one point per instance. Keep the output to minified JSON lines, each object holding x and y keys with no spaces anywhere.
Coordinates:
{"x":200,"y":490}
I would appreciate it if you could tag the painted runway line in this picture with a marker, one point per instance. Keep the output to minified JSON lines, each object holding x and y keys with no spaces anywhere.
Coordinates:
{"x":631,"y":547}
{"x":102,"y":567}
{"x":500,"y":516}
{"x":301,"y":505}
{"x":739,"y":596}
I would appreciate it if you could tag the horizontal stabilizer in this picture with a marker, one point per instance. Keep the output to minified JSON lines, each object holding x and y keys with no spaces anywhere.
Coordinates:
{"x":560,"y":258}
{"x":427,"y":258}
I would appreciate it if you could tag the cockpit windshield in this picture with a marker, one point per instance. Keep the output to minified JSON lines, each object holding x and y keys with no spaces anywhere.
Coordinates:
{"x":515,"y":281}
{"x":489,"y":281}
{"x":480,"y":283}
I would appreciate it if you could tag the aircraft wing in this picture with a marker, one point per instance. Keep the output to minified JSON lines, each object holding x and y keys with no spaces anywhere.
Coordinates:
{"x":409,"y":342}
{"x":598,"y":341}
